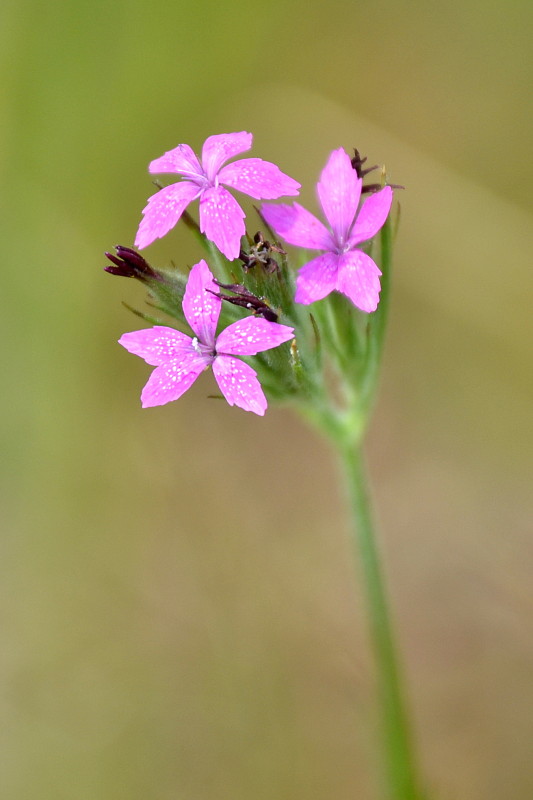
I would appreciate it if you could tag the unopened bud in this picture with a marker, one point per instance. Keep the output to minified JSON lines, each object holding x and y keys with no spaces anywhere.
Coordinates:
{"x":130,"y":264}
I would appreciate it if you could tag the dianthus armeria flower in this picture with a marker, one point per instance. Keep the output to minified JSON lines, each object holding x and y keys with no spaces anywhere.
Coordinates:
{"x":342,"y":266}
{"x":221,"y":217}
{"x":179,"y":359}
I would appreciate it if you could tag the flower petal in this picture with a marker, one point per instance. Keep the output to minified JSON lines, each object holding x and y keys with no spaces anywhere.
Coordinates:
{"x":371,"y":216}
{"x":257,"y":178}
{"x":181,"y":159}
{"x":163,"y":211}
{"x":316,"y":279}
{"x":297,"y":226}
{"x":358,"y":279}
{"x":221,"y":219}
{"x":239,"y":385}
{"x":172,"y":379}
{"x":156,"y":345}
{"x":339,"y":190}
{"x":252,"y":335}
{"x":218,"y":149}
{"x":201,"y":308}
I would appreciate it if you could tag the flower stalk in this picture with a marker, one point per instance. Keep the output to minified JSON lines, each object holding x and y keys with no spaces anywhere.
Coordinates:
{"x":400,"y":777}
{"x":346,"y":432}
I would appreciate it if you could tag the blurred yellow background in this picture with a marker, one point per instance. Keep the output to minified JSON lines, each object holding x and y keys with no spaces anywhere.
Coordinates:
{"x":180,"y":613}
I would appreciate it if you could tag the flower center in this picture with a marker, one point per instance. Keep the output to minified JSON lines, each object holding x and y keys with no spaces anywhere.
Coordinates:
{"x":340,"y":244}
{"x":202,"y":349}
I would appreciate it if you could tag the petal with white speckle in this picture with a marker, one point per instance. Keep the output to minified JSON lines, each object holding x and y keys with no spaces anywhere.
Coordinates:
{"x":358,"y":279}
{"x":219,"y":148}
{"x":257,"y":178}
{"x":163,"y":211}
{"x":297,"y":226}
{"x":172,"y":379}
{"x":371,"y":216}
{"x":156,"y":345}
{"x":239,"y":385}
{"x":181,"y":159}
{"x":201,"y":307}
{"x":252,"y":335}
{"x":339,"y":190}
{"x":316,"y":279}
{"x":222,"y":220}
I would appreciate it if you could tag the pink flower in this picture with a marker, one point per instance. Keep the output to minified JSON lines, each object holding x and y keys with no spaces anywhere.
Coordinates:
{"x":342,"y":266}
{"x":179,"y":359}
{"x":221,"y":217}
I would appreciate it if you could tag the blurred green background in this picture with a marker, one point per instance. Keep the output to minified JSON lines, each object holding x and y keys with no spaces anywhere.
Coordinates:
{"x":180,"y":613}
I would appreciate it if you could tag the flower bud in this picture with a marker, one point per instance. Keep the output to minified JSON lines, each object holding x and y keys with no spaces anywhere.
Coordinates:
{"x":130,"y":264}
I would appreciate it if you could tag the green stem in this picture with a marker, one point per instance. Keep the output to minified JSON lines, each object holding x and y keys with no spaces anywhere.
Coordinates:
{"x":400,"y":771}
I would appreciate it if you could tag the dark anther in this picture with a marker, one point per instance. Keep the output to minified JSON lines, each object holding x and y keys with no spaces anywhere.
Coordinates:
{"x":245,"y":299}
{"x":260,"y":254}
{"x":357,"y":163}
{"x":130,"y":264}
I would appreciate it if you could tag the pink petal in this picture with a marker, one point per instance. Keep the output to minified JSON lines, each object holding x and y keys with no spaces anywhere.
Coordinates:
{"x":181,"y":159}
{"x":297,"y":226}
{"x":316,"y":279}
{"x":372,"y":216}
{"x":156,"y":345}
{"x":218,"y":149}
{"x":163,"y":211}
{"x":239,"y":385}
{"x":358,"y":279}
{"x":201,"y":308}
{"x":257,"y":178}
{"x":221,"y":219}
{"x":339,"y":190}
{"x":252,"y":335}
{"x":169,"y":381}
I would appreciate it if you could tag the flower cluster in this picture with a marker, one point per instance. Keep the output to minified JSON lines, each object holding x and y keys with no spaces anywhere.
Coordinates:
{"x":256,"y":272}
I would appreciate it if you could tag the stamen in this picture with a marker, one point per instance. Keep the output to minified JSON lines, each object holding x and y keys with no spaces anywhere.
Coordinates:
{"x":196,"y":345}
